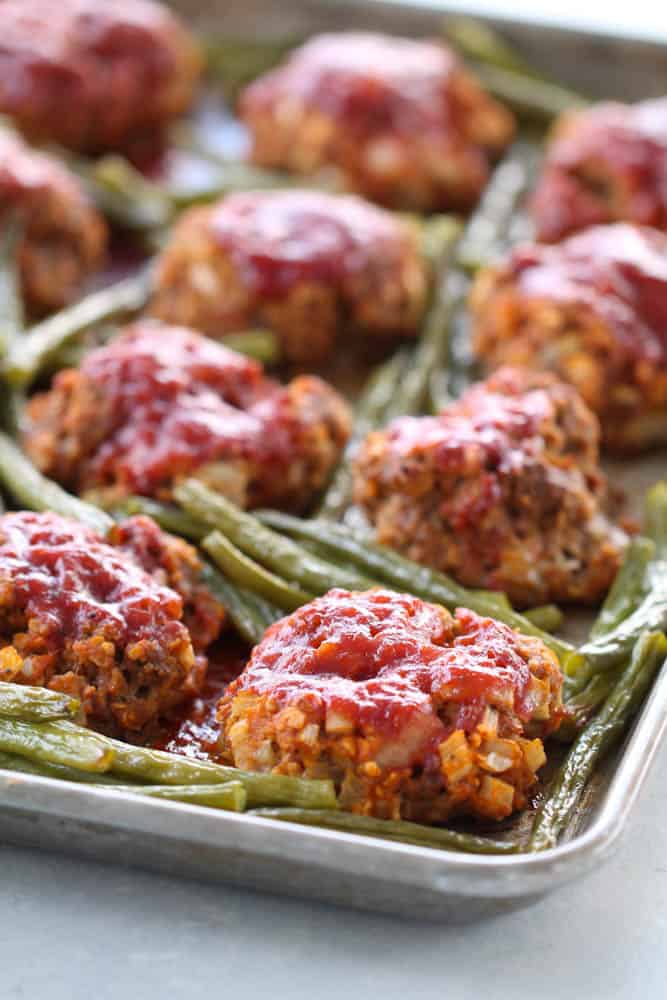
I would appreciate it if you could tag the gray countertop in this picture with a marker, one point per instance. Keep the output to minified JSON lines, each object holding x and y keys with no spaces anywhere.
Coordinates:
{"x":74,"y":931}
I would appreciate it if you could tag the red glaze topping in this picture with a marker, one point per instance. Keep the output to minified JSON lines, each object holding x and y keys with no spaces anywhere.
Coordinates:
{"x":385,"y":660}
{"x":624,"y":145}
{"x":371,"y":83}
{"x":179,"y":401}
{"x":493,"y":431}
{"x":89,"y":61}
{"x":618,"y":272}
{"x":74,"y":585}
{"x":278,"y":239}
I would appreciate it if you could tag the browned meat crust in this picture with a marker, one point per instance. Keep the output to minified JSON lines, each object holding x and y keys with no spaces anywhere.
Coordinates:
{"x":95,"y":75}
{"x":63,"y":238}
{"x":160,"y":403}
{"x":503,"y":490}
{"x":306,"y":264}
{"x":592,"y":309}
{"x":605,"y":164}
{"x":402,"y":122}
{"x":100,"y":620}
{"x":413,"y":712}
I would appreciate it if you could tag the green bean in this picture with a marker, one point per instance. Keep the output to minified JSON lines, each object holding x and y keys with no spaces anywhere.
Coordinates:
{"x":394,"y":830}
{"x":34,"y":491}
{"x":402,"y":574}
{"x":371,"y":408}
{"x":11,"y":306}
{"x":169,"y":517}
{"x":261,"y":345}
{"x":487,"y":235}
{"x":439,"y":235}
{"x":607,"y":650}
{"x":547,"y":617}
{"x":250,"y":616}
{"x":537,"y":100}
{"x":245,"y":572}
{"x":63,"y":742}
{"x":628,"y":589}
{"x":28,"y":356}
{"x":429,"y":355}
{"x":478,"y":40}
{"x":28,"y":765}
{"x":230,"y":796}
{"x":401,"y":385}
{"x":122,"y":193}
{"x":31,"y":489}
{"x":66,"y":743}
{"x":11,"y":319}
{"x":269,"y":548}
{"x":596,"y":739}
{"x":147,"y":207}
{"x":583,"y":705}
{"x":53,"y":743}
{"x":235,"y":62}
{"x":626,"y":594}
{"x":159,"y":767}
{"x":35,"y":704}
{"x":229,"y":176}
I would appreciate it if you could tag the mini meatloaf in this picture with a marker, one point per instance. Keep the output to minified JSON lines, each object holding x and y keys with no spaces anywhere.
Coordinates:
{"x":592,"y":309}
{"x":61,"y":238}
{"x":413,"y":712}
{"x":304,"y":263}
{"x":400,"y":121}
{"x":100,"y":619}
{"x":502,"y":490}
{"x":95,"y":75}
{"x":159,"y":403}
{"x":606,"y":164}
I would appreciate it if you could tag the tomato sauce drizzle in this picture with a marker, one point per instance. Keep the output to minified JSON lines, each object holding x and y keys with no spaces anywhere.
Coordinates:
{"x":64,"y":577}
{"x":611,"y":153}
{"x":280,"y":239}
{"x":618,"y":272}
{"x":384,"y":660}
{"x":178,"y":400}
{"x":371,"y":83}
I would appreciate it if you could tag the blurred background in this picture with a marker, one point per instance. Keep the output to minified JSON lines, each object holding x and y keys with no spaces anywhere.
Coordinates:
{"x":638,"y":19}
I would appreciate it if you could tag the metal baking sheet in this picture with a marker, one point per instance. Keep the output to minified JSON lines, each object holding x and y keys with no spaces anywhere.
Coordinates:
{"x":336,"y":867}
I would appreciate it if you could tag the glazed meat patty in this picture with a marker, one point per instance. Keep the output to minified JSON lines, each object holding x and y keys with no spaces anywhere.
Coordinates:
{"x":101,"y":619}
{"x":62,"y":239}
{"x":304,"y":263}
{"x":605,"y":164}
{"x":159,"y":403}
{"x":413,"y":712}
{"x":593,"y":309}
{"x":502,"y":490}
{"x":95,"y":76}
{"x":401,"y":122}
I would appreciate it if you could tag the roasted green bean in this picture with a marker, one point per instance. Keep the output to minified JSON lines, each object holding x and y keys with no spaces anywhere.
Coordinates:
{"x":370,"y":412}
{"x":394,"y":830}
{"x":35,"y":704}
{"x":612,"y":647}
{"x":32,"y":490}
{"x":245,"y":572}
{"x":596,"y":739}
{"x":270,"y":549}
{"x":28,"y":356}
